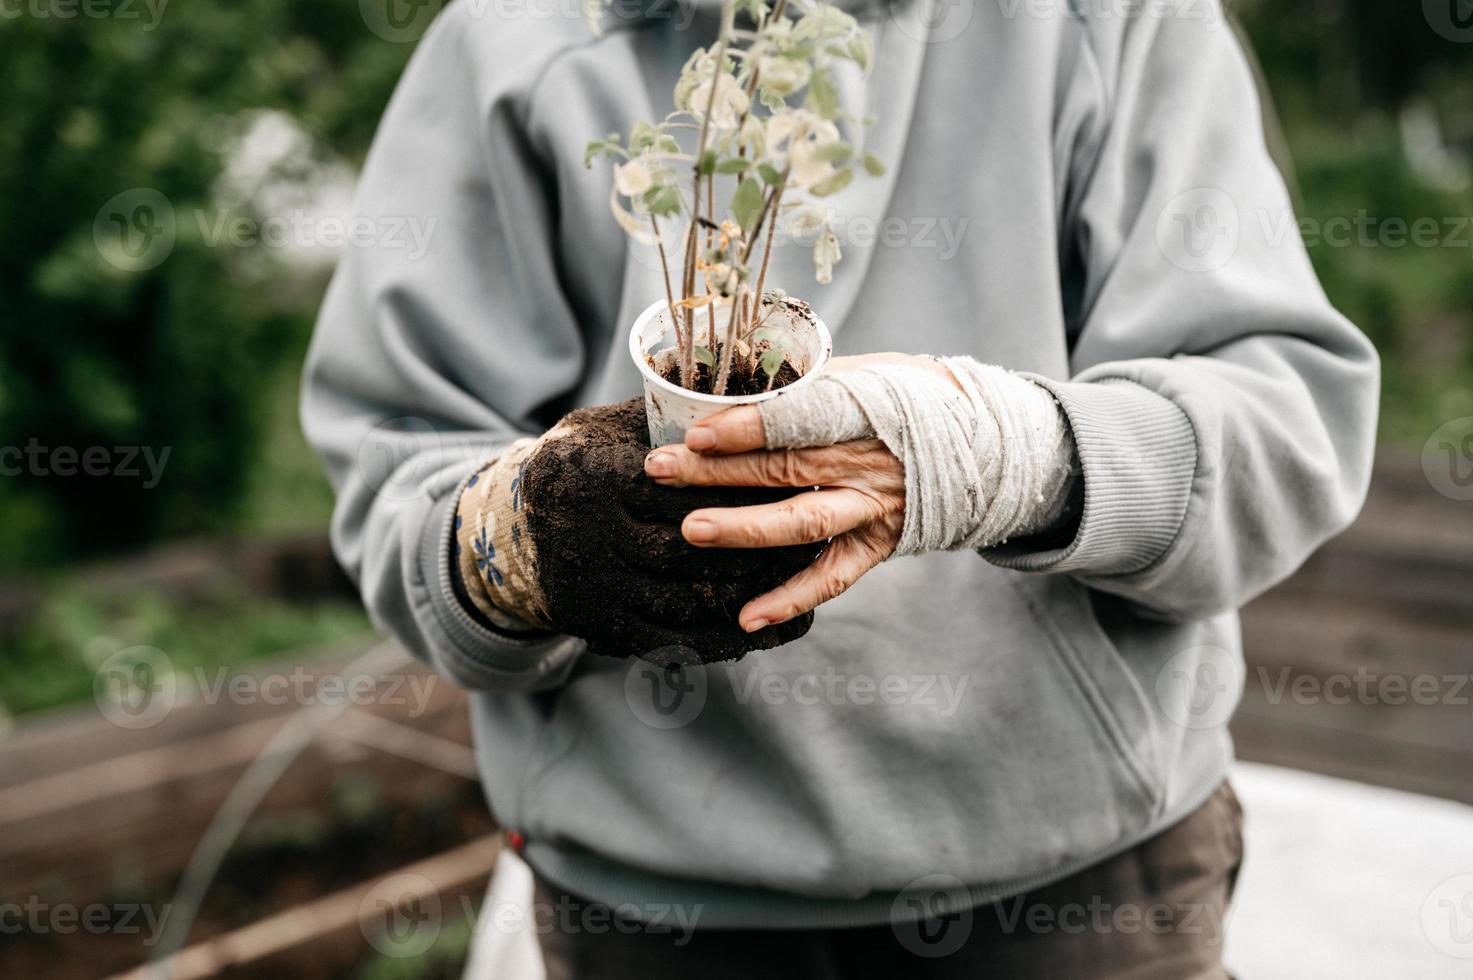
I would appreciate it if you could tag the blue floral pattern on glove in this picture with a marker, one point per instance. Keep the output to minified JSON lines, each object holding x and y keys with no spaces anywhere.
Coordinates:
{"x":485,"y":556}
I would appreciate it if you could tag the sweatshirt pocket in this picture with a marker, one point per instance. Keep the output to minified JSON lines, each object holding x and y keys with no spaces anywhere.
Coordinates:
{"x":1104,"y":689}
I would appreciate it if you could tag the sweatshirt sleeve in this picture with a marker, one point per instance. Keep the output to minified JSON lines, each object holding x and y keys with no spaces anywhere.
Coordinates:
{"x":1223,"y":411}
{"x":430,"y":354}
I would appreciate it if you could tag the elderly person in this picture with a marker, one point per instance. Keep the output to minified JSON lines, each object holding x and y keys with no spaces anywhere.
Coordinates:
{"x":1124,"y":407}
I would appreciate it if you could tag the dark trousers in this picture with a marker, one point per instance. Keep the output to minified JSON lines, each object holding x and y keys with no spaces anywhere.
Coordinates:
{"x":1155,"y":911}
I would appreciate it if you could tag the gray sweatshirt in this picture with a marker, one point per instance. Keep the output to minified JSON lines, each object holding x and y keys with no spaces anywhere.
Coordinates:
{"x":1081,"y":196}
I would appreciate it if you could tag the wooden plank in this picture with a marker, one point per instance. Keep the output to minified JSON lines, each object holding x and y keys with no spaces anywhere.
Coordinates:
{"x":78,"y":736}
{"x":123,"y":760}
{"x":149,"y":833}
{"x":349,"y":915}
{"x":1335,"y":635}
{"x":1399,"y":583}
{"x":1284,"y":739}
{"x":137,"y":801}
{"x":1348,"y":688}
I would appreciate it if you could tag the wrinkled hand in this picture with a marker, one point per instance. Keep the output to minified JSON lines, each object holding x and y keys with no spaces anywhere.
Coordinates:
{"x":859,"y":503}
{"x":567,"y":533}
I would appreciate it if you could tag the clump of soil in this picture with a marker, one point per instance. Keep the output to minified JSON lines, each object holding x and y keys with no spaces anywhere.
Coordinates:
{"x":612,"y":562}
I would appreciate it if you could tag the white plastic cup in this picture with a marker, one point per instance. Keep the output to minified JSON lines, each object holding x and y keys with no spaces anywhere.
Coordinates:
{"x":672,"y":409}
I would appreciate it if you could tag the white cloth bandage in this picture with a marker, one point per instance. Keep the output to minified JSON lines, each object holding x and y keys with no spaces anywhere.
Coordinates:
{"x":983,"y":464}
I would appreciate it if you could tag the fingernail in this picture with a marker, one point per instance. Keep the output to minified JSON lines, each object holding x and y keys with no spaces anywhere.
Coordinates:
{"x":700,"y":439}
{"x":700,"y":530}
{"x":659,"y":463}
{"x":755,"y":625}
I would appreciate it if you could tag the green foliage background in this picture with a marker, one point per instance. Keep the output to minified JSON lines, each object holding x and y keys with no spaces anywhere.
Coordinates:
{"x":194,"y":356}
{"x":185,"y":355}
{"x":1342,"y":74}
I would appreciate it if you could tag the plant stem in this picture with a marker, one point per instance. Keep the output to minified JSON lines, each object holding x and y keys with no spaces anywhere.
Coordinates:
{"x":669,"y":296}
{"x":728,"y":346}
{"x":773,"y":198}
{"x":687,"y":289}
{"x":711,"y":306}
{"x":728,"y":15}
{"x":777,"y":11}
{"x":767,"y":246}
{"x":773,"y":204}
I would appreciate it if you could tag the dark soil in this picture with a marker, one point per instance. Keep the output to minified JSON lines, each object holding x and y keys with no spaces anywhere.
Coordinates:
{"x":746,"y":377}
{"x":612,"y":562}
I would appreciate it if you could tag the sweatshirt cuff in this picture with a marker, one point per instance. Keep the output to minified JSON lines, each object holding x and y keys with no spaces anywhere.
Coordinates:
{"x":476,"y":656}
{"x":1138,"y":452}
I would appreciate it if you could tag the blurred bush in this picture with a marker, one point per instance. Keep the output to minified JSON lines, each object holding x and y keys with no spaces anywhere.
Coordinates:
{"x":105,"y":350}
{"x":1377,"y":105}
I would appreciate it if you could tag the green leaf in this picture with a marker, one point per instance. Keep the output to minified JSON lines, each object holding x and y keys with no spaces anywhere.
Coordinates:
{"x":833,"y":183}
{"x":746,"y":203}
{"x":735,"y":165}
{"x":708,"y":163}
{"x":862,"y":50}
{"x":772,"y":361}
{"x":704,"y":356}
{"x":769,"y":174}
{"x":834,"y":152}
{"x":775,"y":337}
{"x":643,"y":135}
{"x":873,"y":165}
{"x":663,"y":200}
{"x":823,"y":98}
{"x":609,"y":144}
